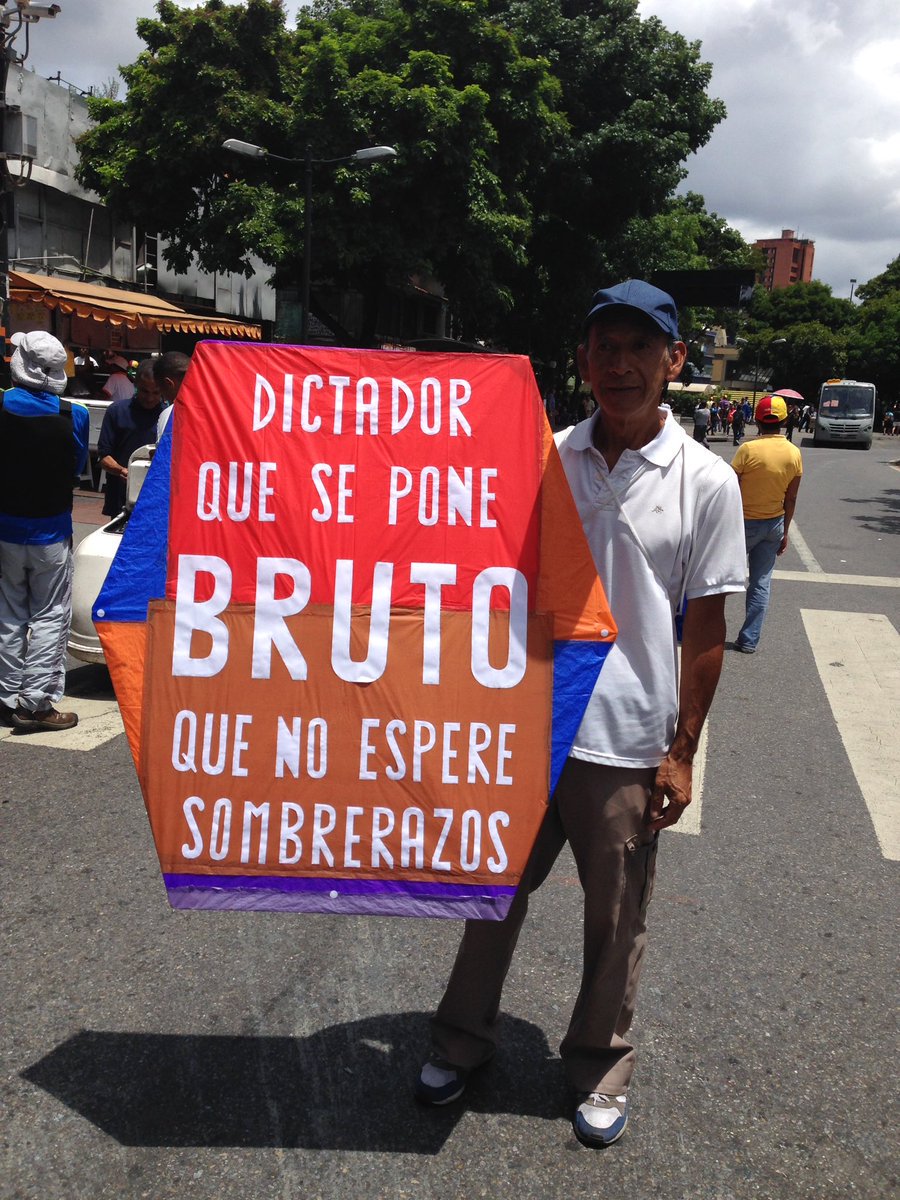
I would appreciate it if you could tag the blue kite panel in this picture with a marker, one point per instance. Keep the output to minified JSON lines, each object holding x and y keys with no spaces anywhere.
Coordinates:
{"x":138,"y":571}
{"x":576,"y":669}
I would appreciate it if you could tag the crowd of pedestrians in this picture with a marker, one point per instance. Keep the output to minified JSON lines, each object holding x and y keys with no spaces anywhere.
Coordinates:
{"x":727,"y":416}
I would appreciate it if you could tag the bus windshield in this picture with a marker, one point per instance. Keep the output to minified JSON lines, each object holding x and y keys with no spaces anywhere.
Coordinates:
{"x":844,"y":401}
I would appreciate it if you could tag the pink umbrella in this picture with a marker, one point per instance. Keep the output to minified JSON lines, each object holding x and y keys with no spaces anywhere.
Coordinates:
{"x":788,"y":394}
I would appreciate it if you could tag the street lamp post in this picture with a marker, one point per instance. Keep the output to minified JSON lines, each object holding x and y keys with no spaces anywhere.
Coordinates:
{"x":368,"y":154}
{"x":774,"y":342}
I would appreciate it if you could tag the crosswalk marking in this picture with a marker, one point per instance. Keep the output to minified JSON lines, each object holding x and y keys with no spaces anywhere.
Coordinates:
{"x":858,"y":659}
{"x":880,"y":581}
{"x":98,"y":722}
{"x":809,"y":560}
{"x":689,"y":822}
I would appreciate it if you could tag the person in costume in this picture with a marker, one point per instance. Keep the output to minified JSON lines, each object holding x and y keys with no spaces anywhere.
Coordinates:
{"x":662,"y":516}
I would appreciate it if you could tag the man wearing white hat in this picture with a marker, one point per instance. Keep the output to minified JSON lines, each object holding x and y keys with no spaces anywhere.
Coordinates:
{"x":43,"y":449}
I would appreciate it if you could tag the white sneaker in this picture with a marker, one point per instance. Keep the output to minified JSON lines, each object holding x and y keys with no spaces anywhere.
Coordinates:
{"x":600,"y":1120}
{"x":440,"y":1082}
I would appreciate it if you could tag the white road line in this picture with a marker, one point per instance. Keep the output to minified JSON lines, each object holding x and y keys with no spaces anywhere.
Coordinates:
{"x":858,"y":659}
{"x":882,"y":581}
{"x":798,"y":541}
{"x":690,"y":821}
{"x":98,"y":722}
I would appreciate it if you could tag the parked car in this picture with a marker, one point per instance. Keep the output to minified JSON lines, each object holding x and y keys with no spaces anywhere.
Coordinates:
{"x":93,"y":558}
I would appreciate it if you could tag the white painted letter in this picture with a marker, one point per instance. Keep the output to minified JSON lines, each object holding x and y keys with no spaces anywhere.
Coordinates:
{"x":512,"y":672}
{"x":192,"y":615}
{"x":269,"y":627}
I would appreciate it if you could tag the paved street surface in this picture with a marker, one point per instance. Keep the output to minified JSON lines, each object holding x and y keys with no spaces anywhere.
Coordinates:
{"x":153,"y":1053}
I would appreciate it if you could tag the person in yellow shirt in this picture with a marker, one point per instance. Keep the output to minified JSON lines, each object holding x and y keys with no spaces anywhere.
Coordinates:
{"x":769,"y":470}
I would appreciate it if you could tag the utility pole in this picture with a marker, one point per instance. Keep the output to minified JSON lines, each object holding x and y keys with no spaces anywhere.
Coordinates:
{"x":16,"y":17}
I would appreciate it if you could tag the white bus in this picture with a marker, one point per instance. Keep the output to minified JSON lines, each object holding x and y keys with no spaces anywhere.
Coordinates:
{"x":846,"y":413}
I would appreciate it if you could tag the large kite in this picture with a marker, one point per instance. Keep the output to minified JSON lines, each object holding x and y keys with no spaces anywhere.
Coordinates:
{"x":352,"y":626}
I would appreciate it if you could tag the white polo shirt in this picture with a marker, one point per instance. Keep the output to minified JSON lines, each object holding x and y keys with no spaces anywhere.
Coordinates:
{"x":684,"y":507}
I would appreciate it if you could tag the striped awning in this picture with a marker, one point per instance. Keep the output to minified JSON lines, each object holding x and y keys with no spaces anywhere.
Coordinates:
{"x":116,"y":306}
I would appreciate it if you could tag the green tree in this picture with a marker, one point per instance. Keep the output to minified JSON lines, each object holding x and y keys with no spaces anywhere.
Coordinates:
{"x":873,"y":343}
{"x":466,"y":110}
{"x":882,"y":285}
{"x":634,"y":95}
{"x":470,"y":115}
{"x":873,"y":346}
{"x":800,"y":304}
{"x":529,"y":133}
{"x":156,"y":156}
{"x":683,"y":235}
{"x":811,"y":353}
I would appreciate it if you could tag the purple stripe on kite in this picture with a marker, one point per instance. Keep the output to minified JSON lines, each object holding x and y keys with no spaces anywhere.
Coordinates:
{"x":391,"y":904}
{"x":347,"y":887}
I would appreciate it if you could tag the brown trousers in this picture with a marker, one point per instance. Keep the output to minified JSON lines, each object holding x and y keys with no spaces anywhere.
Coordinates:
{"x":601,"y":812}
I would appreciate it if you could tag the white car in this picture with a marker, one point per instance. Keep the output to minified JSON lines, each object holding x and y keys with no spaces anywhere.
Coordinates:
{"x":92,"y":560}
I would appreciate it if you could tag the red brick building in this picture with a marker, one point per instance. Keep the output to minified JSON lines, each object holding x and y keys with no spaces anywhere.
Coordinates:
{"x":789,"y":260}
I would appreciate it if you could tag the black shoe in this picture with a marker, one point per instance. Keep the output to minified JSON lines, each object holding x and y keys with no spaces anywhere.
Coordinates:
{"x":6,"y":714}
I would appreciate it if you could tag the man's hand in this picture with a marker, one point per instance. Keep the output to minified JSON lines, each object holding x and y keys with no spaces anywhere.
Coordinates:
{"x":783,"y":546}
{"x":702,"y":642}
{"x":671,"y":792}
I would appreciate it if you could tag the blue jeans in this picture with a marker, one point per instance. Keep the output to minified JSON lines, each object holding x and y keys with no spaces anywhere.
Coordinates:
{"x":763,"y":539}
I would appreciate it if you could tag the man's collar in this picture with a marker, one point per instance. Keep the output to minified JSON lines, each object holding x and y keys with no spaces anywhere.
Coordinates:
{"x":660,"y":451}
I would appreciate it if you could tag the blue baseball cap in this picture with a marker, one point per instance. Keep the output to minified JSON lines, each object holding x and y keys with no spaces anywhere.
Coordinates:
{"x":643,"y":298}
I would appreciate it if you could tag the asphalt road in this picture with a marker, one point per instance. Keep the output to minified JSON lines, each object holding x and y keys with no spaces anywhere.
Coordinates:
{"x":153,"y":1053}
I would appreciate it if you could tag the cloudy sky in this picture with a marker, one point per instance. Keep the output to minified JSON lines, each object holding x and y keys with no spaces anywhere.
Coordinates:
{"x":812,"y":137}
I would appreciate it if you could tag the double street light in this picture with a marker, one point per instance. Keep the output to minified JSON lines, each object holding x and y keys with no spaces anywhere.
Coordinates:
{"x":368,"y":154}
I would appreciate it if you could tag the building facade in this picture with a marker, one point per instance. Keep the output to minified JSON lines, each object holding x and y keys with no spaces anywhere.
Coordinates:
{"x":73,"y":268}
{"x":789,"y":259}
{"x":70,"y":266}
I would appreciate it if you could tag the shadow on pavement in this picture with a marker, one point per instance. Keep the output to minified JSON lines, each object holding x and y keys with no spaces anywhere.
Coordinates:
{"x":348,"y":1087}
{"x":90,"y":682}
{"x":886,"y":521}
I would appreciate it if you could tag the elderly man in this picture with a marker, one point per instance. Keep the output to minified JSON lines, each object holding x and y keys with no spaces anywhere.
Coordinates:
{"x":43,"y":450}
{"x":769,"y":470}
{"x":127,"y":425}
{"x":663,"y":518}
